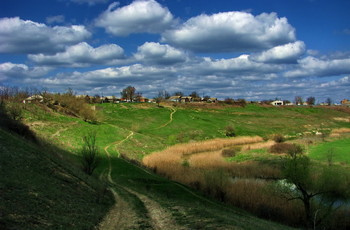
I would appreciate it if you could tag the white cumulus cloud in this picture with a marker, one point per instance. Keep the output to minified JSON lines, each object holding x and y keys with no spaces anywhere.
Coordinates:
{"x":81,"y":55}
{"x":288,"y":53}
{"x":231,"y":32}
{"x":238,"y":65}
{"x":143,"y":16}
{"x":25,"y":36}
{"x":155,"y":53}
{"x":311,"y":66}
{"x":12,"y":72}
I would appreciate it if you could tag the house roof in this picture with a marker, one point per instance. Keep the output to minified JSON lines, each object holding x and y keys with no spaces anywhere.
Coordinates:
{"x":35,"y":97}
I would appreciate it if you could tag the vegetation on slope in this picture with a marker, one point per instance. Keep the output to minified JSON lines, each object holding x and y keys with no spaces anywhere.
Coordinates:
{"x":151,"y":128}
{"x":41,"y":188}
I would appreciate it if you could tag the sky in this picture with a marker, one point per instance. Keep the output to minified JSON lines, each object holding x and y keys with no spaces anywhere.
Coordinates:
{"x":252,"y":49}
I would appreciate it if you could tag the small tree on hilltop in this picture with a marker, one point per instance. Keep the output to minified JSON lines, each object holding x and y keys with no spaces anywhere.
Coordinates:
{"x":128,"y":93}
{"x":298,"y":100}
{"x":329,"y":101}
{"x":178,"y":93}
{"x":310,"y":100}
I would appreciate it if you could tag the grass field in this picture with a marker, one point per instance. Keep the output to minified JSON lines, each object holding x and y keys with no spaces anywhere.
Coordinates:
{"x":41,"y":190}
{"x":137,"y":130}
{"x":337,"y":150}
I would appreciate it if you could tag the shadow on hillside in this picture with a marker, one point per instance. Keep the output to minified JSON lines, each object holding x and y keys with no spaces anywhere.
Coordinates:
{"x":16,"y":126}
{"x":42,"y":186}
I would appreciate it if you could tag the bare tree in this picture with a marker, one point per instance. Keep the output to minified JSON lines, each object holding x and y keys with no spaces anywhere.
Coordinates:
{"x":329,"y":101}
{"x":298,"y":100}
{"x":178,"y":93}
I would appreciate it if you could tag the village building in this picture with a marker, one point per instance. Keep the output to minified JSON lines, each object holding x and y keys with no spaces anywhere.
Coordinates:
{"x":34,"y":98}
{"x":175,"y":99}
{"x":345,"y":102}
{"x":212,"y":100}
{"x":277,"y":103}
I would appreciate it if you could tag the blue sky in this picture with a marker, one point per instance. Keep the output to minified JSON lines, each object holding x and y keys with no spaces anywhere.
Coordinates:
{"x":262,"y":49}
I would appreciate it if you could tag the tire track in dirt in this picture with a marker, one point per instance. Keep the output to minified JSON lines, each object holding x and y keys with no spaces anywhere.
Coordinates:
{"x":121,"y":215}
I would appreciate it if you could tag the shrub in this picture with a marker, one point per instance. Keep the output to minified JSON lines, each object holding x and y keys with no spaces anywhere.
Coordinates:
{"x":89,"y":153}
{"x":231,"y":152}
{"x":230,"y":131}
{"x":295,"y":150}
{"x":278,"y":138}
{"x":9,"y":122}
{"x":281,"y":148}
{"x":14,"y":110}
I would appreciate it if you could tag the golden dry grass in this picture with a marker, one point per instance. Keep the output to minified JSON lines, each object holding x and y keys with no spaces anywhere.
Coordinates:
{"x":263,"y":145}
{"x":208,"y":160}
{"x":165,"y":162}
{"x":256,"y":196}
{"x":202,"y":166}
{"x":339,"y":132}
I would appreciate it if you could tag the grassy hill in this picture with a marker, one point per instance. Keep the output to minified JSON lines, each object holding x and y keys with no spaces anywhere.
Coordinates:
{"x":40,"y":189}
{"x":44,"y":189}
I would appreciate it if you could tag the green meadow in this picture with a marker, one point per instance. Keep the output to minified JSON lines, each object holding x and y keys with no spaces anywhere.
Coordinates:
{"x":135,"y":130}
{"x":336,"y":150}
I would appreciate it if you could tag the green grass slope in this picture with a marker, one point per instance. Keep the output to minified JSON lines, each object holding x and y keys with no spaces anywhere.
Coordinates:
{"x":40,"y":190}
{"x":337,"y":151}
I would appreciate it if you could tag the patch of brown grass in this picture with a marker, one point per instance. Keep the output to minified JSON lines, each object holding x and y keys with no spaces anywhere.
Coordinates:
{"x":208,"y":160}
{"x":253,"y":169}
{"x":262,"y":145}
{"x":339,"y":132}
{"x":257,"y":197}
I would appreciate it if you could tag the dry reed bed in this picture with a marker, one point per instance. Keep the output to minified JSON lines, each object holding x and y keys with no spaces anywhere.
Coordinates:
{"x":172,"y":161}
{"x":175,"y":153}
{"x":263,"y":145}
{"x":202,"y":166}
{"x":339,"y":132}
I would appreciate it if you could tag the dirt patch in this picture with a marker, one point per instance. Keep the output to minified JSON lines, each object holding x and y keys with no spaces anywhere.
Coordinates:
{"x":343,"y":119}
{"x":120,"y":216}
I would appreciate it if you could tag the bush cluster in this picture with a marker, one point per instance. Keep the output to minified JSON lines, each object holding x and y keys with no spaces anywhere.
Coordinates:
{"x":287,"y":148}
{"x":69,"y":104}
{"x":231,"y":152}
{"x":281,"y":148}
{"x":12,"y":123}
{"x":278,"y":138}
{"x":230,"y":131}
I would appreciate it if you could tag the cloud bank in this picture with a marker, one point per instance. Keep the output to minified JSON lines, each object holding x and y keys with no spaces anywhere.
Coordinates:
{"x":28,"y":37}
{"x":231,"y":32}
{"x":82,"y":55}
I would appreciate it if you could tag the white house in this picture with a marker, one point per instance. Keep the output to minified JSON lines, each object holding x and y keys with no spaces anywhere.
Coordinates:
{"x":277,"y":103}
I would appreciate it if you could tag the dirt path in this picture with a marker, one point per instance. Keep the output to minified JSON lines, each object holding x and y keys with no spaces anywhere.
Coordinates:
{"x":159,"y":217}
{"x":56,"y":134}
{"x":171,"y":117}
{"x":121,"y":215}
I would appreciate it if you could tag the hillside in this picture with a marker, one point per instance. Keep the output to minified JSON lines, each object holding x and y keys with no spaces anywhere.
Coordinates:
{"x":40,"y":189}
{"x":45,"y":183}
